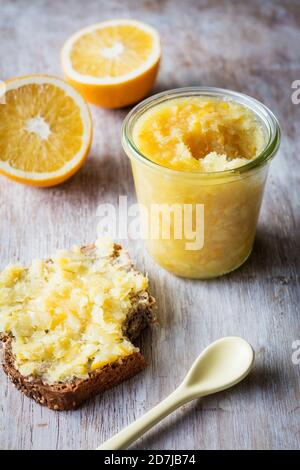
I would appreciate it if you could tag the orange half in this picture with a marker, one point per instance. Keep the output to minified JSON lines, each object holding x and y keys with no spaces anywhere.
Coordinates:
{"x":114,"y":63}
{"x":45,"y":130}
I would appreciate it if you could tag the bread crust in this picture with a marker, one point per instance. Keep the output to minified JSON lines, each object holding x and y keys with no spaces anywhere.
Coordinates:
{"x":71,"y":394}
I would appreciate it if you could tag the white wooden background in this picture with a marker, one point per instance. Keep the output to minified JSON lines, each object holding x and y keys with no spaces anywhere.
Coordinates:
{"x":251,"y":47}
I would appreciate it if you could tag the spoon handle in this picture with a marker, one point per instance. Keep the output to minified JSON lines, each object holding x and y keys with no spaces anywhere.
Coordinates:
{"x":131,"y":433}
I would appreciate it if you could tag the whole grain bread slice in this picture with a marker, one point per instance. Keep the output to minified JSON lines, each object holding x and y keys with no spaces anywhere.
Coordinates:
{"x":71,"y":394}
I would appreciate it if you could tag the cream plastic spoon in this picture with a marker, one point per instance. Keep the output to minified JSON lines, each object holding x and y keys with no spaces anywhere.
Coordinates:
{"x":221,"y":365}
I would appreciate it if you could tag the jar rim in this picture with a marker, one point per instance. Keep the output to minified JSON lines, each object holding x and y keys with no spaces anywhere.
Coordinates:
{"x":261,"y":111}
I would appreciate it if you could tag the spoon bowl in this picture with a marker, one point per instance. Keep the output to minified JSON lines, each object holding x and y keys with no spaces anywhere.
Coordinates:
{"x":221,"y":365}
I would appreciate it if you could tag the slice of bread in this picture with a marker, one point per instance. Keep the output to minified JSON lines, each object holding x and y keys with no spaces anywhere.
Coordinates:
{"x":72,"y":393}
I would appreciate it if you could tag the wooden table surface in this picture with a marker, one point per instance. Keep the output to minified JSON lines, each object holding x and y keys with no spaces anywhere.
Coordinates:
{"x":252,"y":47}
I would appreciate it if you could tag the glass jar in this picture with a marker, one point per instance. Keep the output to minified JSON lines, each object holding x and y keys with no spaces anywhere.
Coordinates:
{"x":219,"y":210}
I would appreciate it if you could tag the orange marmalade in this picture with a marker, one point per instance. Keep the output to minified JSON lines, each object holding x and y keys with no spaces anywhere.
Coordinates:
{"x":192,"y":152}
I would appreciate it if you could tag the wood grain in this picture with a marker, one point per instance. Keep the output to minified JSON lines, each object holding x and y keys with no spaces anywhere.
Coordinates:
{"x":247,"y":46}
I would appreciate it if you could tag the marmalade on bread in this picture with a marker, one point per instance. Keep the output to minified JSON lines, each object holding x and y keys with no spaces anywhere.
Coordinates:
{"x":66,"y":314}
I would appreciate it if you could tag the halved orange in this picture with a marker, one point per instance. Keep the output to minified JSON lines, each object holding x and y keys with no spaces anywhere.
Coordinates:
{"x":114,"y":63}
{"x":45,"y":130}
